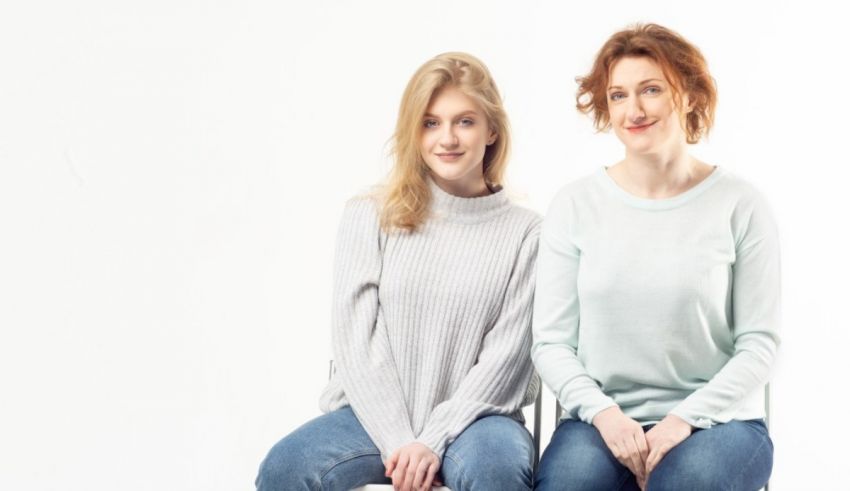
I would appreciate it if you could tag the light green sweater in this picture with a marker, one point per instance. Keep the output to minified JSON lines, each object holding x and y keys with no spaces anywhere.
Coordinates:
{"x":658,"y":306}
{"x":432,"y":329}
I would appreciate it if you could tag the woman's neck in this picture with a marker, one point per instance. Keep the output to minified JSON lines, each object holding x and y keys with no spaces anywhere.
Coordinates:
{"x":657,"y":176}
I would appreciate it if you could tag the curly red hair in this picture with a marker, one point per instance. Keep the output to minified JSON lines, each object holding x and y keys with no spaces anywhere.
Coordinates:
{"x":681,"y":62}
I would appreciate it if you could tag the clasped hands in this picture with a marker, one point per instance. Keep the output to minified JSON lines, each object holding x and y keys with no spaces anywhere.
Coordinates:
{"x":413,"y":467}
{"x":640,"y":452}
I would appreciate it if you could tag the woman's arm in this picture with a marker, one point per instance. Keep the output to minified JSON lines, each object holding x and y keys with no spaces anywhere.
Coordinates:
{"x":361,"y":352}
{"x":755,"y":320}
{"x":556,"y":318}
{"x":497,"y":383}
{"x":556,"y":334}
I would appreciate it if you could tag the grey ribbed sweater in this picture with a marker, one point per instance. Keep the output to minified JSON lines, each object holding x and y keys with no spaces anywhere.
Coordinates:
{"x":431,"y":329}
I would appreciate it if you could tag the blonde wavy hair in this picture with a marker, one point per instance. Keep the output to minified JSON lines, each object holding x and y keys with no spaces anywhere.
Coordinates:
{"x":406,"y":196}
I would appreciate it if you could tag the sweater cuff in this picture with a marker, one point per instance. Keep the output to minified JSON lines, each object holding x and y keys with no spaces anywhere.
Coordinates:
{"x":438,"y":446}
{"x":590,"y":402}
{"x":696,"y":422}
{"x":587,"y":413}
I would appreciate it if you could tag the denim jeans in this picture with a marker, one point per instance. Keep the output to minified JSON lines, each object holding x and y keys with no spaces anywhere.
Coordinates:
{"x":737,"y":455}
{"x":334,"y":453}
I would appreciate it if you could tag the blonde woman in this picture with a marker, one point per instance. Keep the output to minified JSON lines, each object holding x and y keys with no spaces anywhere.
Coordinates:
{"x":434,"y":279}
{"x":656,"y":310}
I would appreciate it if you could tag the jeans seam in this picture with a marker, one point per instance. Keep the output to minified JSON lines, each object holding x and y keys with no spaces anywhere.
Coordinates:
{"x":749,"y":464}
{"x":461,"y":468}
{"x":342,"y":460}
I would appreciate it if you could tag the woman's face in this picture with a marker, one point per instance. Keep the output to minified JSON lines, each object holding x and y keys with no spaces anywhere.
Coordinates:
{"x":641,"y":107}
{"x":455,"y":133}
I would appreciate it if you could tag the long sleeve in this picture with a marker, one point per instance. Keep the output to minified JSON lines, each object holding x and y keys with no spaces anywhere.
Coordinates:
{"x":361,"y":352}
{"x":497,"y":383}
{"x":755,"y":320}
{"x":556,"y":318}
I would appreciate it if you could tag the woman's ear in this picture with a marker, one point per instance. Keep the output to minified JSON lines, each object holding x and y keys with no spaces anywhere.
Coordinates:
{"x":492,"y":139}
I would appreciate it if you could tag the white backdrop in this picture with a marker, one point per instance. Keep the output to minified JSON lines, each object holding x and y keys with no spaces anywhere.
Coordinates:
{"x":172,"y":173}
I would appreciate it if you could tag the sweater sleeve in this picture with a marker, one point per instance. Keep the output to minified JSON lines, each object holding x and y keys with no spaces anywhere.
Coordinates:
{"x":362,"y":352}
{"x":556,"y":318}
{"x":755,"y":320}
{"x":497,"y":382}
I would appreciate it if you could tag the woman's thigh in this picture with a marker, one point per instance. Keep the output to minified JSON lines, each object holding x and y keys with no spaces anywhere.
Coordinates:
{"x":578,"y":459}
{"x":332,"y":451}
{"x":494,"y":452}
{"x":737,"y":455}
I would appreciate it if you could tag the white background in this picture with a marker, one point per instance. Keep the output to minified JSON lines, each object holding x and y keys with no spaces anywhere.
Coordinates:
{"x":172,"y":173}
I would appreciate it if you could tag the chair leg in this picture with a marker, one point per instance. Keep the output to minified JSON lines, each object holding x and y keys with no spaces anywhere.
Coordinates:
{"x":538,"y":409}
{"x":767,"y":419}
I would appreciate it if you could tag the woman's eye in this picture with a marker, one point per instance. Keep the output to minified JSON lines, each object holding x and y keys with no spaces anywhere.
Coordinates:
{"x":429,"y":123}
{"x":652,"y":90}
{"x":466,"y":122}
{"x":616,"y":96}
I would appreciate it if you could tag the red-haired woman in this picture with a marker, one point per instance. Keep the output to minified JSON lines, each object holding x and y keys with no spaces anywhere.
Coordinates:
{"x":656,"y":308}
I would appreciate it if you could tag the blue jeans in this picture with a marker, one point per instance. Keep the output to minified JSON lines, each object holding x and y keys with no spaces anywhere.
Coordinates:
{"x":737,"y":455}
{"x":334,"y":453}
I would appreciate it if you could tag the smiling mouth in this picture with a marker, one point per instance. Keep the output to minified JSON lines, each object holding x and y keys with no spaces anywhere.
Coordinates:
{"x":638,"y":129}
{"x":449,"y":156}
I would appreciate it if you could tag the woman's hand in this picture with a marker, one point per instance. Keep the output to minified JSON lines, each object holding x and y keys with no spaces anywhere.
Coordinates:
{"x":671,"y":431}
{"x":413,"y":467}
{"x":625,"y":438}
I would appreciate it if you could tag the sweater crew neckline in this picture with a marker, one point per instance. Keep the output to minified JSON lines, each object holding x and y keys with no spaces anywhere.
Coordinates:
{"x":660,"y":203}
{"x":480,"y":208}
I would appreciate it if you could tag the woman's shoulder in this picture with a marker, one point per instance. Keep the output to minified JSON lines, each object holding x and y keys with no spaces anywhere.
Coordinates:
{"x":581,"y":188}
{"x":528,"y":221}
{"x":523,"y":213}
{"x":739,"y":190}
{"x":362,"y":210}
{"x":367,"y":199}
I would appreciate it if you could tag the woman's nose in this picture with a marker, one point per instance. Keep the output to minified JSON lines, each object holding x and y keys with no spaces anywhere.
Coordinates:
{"x":448,"y":138}
{"x":635,"y":111}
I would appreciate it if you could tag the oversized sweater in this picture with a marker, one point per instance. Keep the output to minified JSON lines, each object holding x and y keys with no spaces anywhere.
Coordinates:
{"x":432,"y":329}
{"x":659,"y":306}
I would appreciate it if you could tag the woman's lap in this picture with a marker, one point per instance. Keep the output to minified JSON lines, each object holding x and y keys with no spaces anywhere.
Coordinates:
{"x":734,"y":455}
{"x":333,"y":451}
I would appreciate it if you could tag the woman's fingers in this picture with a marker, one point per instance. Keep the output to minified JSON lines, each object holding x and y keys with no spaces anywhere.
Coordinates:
{"x":421,"y":472}
{"x":409,"y":475}
{"x":638,"y":465}
{"x":642,"y":451}
{"x":658,"y":452}
{"x":643,"y":447}
{"x":430,"y":476}
{"x":400,"y":471}
{"x":391,"y":463}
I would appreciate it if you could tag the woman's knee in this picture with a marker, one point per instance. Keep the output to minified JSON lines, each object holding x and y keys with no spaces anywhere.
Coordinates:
{"x":285,"y":468}
{"x":302,"y":459}
{"x":513,"y":474}
{"x":495,"y":452}
{"x":691,"y":478}
{"x":577,"y":458}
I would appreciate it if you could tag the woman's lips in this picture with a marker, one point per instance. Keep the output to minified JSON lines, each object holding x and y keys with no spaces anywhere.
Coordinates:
{"x":640,"y":129}
{"x":450,"y":156}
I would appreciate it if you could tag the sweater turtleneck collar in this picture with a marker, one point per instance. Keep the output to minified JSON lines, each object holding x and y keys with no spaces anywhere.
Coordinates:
{"x":481,"y":208}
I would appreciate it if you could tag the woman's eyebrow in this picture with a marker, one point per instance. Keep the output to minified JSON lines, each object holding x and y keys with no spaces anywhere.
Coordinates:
{"x":639,"y":83}
{"x":464,"y":113}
